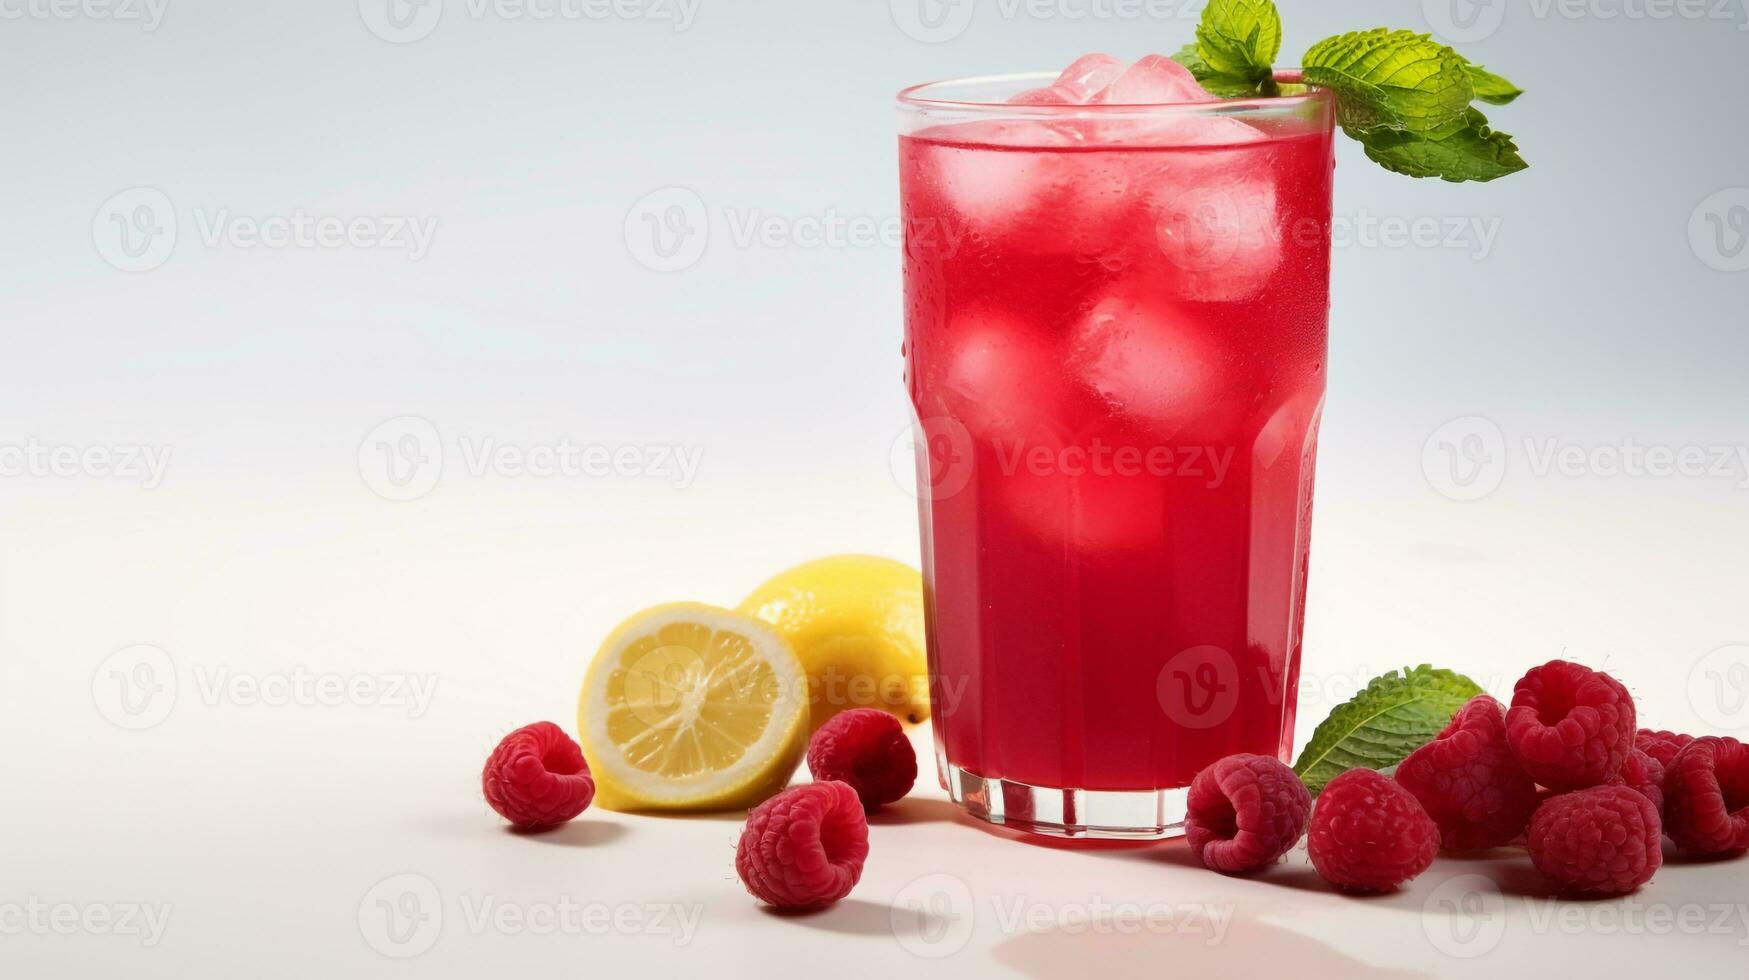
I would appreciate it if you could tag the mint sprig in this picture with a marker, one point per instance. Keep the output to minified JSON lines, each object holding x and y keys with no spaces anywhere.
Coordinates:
{"x":1237,"y":42}
{"x":1240,"y":38}
{"x":1225,"y":86}
{"x":1378,"y":728}
{"x":1394,"y":81}
{"x":1474,"y":152}
{"x":1404,"y":96}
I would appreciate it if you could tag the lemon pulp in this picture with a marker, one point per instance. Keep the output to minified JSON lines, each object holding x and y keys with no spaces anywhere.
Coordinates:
{"x":692,"y":707}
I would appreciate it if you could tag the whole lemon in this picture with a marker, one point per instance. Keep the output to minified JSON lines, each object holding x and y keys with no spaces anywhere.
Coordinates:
{"x":856,"y":623}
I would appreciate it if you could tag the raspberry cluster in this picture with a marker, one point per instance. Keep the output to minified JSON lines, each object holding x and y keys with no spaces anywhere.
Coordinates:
{"x":803,"y":849}
{"x":1563,"y":771}
{"x":1470,"y":782}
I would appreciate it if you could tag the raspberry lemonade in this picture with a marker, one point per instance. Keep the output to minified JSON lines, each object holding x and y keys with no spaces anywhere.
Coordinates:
{"x":1116,"y":313}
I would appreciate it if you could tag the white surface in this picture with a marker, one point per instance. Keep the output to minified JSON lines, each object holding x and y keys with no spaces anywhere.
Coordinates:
{"x":1582,"y":302}
{"x":268,"y":831}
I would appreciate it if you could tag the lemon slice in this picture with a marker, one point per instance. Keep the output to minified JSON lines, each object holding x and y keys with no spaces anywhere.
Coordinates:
{"x":691,"y":707}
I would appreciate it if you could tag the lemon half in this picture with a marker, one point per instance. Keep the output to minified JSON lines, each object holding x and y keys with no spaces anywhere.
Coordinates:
{"x":691,"y":707}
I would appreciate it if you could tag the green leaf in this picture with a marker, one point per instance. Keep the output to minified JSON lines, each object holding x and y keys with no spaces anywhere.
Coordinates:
{"x":1475,"y":152}
{"x":1225,"y":86}
{"x":1240,"y":38}
{"x":1380,"y":726}
{"x":1492,"y":88}
{"x":1393,"y":80}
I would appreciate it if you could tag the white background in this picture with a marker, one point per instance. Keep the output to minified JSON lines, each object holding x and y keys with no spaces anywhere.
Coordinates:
{"x":1593,"y":305}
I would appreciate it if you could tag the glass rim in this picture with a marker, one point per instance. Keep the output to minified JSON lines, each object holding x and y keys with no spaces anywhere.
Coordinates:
{"x":914,"y":99}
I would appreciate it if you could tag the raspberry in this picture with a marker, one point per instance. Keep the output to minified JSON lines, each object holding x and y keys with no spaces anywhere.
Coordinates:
{"x":1602,"y":841}
{"x":1570,"y":726}
{"x":1369,"y":834}
{"x":804,"y":847}
{"x":1662,"y":746}
{"x":536,"y":778}
{"x":867,"y":748}
{"x":1706,"y":797}
{"x":1644,"y":775}
{"x":1469,"y":782}
{"x":1245,"y":812}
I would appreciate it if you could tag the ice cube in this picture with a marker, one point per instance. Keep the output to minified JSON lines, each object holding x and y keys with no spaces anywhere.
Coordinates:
{"x":1064,"y":501}
{"x":1049,"y":95}
{"x":1088,"y":76}
{"x":1034,"y":200}
{"x":1146,"y":360}
{"x":1220,"y":236}
{"x":1043,"y":442}
{"x":1154,"y":80}
{"x":1077,"y":85}
{"x":995,"y":181}
{"x":1164,"y":81}
{"x":1169,"y":130}
{"x":997,"y":372}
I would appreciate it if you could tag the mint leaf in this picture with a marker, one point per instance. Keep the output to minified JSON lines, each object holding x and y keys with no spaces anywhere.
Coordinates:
{"x":1393,"y":80}
{"x":1475,"y":152}
{"x":1240,"y":38}
{"x":1380,"y":726}
{"x":1492,"y":88}
{"x":1225,"y":86}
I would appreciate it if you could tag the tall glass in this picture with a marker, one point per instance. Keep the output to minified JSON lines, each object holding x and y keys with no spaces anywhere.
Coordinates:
{"x":1116,"y":323}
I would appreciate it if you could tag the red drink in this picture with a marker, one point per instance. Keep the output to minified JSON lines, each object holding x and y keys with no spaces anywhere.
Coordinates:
{"x":1116,"y":334}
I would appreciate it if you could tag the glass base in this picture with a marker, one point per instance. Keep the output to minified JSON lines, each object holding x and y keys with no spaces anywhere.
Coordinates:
{"x":1071,"y":814}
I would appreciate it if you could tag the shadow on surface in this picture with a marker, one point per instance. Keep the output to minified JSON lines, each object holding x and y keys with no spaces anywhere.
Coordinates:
{"x":915,"y":810}
{"x":1295,"y":872}
{"x":711,"y":816}
{"x":577,"y":833}
{"x":1673,"y":857}
{"x":851,"y":917}
{"x":1494,"y":854}
{"x":1247,"y":948}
